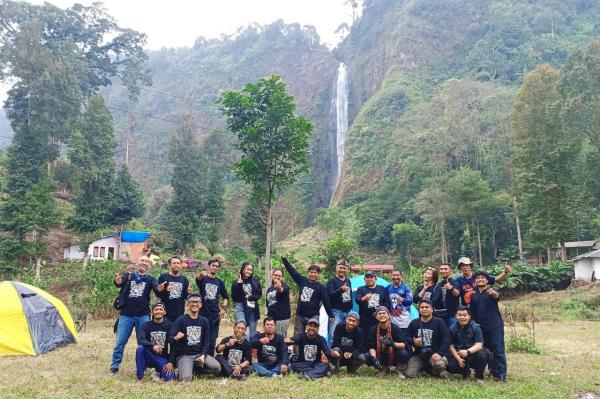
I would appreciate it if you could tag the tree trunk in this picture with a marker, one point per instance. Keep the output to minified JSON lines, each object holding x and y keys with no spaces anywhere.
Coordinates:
{"x":518,"y":223}
{"x":479,"y":245}
{"x":268,"y":244}
{"x":563,"y":251}
{"x":549,"y":252}
{"x":444,"y":250}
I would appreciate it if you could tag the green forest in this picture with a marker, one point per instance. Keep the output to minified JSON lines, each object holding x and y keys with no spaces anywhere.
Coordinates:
{"x":473,"y":131}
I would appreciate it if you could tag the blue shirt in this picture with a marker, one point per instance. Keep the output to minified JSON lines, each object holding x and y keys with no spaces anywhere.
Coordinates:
{"x":466,"y":286}
{"x":485,"y":311}
{"x":400,"y":300}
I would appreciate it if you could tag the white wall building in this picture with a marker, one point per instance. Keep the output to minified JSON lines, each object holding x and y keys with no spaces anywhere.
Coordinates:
{"x":587,"y":266}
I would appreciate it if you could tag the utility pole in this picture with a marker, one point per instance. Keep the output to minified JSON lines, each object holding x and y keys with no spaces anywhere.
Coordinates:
{"x":130,"y":128}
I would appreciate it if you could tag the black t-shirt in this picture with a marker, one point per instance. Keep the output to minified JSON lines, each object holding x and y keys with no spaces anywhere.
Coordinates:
{"x":398,"y":335}
{"x":238,"y":353}
{"x":175,"y":299}
{"x":435,"y":337}
{"x":433,"y":294}
{"x":446,"y":300}
{"x":310,"y":349}
{"x":196,"y":338}
{"x":310,"y":294}
{"x":347,"y":341}
{"x":137,"y":302}
{"x":278,"y":303}
{"x":210,"y":290}
{"x":379,"y":297}
{"x":275,"y":348}
{"x":156,"y":334}
{"x":339,"y":299}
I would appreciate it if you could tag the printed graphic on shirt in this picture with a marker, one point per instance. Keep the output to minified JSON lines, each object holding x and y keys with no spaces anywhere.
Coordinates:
{"x":136,"y":289}
{"x":271,"y":298}
{"x":176,"y":291}
{"x":426,"y":337}
{"x":268,"y":350}
{"x":194,"y":335}
{"x":306,"y":294}
{"x":247,"y":289}
{"x":158,"y":338}
{"x":374,"y":301}
{"x":346,"y":296}
{"x":427,"y":295}
{"x":396,"y":301}
{"x":467,"y":292}
{"x":347,"y":342}
{"x":310,"y":353}
{"x":235,"y":357}
{"x":211,"y":291}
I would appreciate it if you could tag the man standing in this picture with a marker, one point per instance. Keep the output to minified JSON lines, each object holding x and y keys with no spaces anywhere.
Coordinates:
{"x":369,"y":297}
{"x":467,"y":346}
{"x":485,"y":312}
{"x":190,"y":335}
{"x":272,"y":354}
{"x":389,"y":345}
{"x":445,"y":304}
{"x":211,"y":288}
{"x":466,"y":282}
{"x":235,"y":355}
{"x":136,"y":289}
{"x":431,"y":340}
{"x":175,"y":289}
{"x":400,"y":297}
{"x":278,"y":303}
{"x":153,"y":350}
{"x":311,"y":346}
{"x":339,"y":289}
{"x":348,"y":344}
{"x":311,"y":294}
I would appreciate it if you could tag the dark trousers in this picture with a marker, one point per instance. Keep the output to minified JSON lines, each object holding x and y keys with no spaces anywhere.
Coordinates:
{"x":358,"y":359}
{"x":493,"y":340}
{"x":227,"y":369}
{"x":213,"y":324}
{"x":477,"y":361}
{"x":316,"y":369}
{"x":145,"y":358}
{"x":401,"y":356}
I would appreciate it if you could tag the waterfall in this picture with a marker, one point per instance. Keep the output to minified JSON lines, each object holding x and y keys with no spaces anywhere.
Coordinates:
{"x":341,"y":109}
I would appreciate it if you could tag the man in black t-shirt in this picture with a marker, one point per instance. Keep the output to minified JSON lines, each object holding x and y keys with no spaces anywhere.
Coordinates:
{"x":153,"y":350}
{"x":211,"y":289}
{"x":234,"y":353}
{"x":310,"y":346}
{"x":190,"y":335}
{"x":348,"y":344}
{"x":467,"y":351}
{"x":176,"y":288}
{"x":369,"y":297}
{"x":271,"y":351}
{"x":135,"y":288}
{"x":389,"y":345}
{"x":339,"y":289}
{"x":431,"y":342}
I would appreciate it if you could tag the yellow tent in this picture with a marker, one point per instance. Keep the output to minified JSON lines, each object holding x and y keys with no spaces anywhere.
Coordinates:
{"x":32,"y":321}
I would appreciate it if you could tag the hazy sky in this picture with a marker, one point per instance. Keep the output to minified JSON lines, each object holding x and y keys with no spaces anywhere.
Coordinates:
{"x":177,"y":23}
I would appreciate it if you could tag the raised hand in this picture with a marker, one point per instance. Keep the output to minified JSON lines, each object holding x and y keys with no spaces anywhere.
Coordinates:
{"x":118,"y":279}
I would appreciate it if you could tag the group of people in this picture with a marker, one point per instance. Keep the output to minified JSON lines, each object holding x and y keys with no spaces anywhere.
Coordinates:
{"x":459,"y":328}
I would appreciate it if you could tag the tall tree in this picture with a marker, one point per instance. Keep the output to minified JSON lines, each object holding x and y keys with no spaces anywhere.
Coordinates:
{"x":93,"y":166}
{"x":544,"y":155}
{"x":184,"y":215}
{"x":273,"y":140}
{"x":127,"y":199}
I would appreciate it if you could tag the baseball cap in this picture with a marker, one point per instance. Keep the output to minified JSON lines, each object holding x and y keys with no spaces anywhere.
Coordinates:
{"x":371,"y":274}
{"x":354,"y":314}
{"x":313,"y":320}
{"x":382,"y":309}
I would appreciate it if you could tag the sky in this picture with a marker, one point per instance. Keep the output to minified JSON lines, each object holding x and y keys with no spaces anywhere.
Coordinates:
{"x":178,"y":23}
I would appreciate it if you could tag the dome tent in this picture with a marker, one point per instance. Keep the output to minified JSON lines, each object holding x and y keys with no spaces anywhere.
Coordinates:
{"x":32,"y":321}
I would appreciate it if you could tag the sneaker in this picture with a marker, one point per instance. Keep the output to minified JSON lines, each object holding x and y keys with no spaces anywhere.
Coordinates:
{"x":500,"y":378}
{"x":445,"y":375}
{"x":114,"y":370}
{"x":241,"y":377}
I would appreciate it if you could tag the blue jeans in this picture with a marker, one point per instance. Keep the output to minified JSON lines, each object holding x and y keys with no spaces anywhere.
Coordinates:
{"x":251,"y":324}
{"x":494,"y":341}
{"x":126,"y":326}
{"x":265,"y":371}
{"x":340,"y":317}
{"x":145,"y":358}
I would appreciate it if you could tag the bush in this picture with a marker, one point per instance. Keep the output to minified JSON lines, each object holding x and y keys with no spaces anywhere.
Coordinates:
{"x":99,"y":291}
{"x":525,"y":278}
{"x":522,"y":342}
